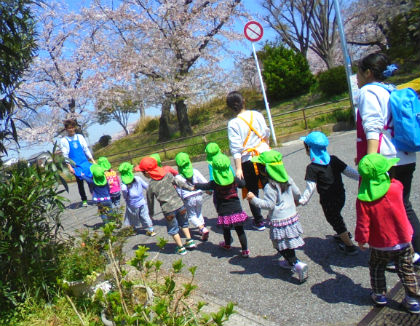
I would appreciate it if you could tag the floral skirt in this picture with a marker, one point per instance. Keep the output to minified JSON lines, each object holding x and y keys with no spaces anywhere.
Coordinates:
{"x":228,"y":221}
{"x":286,"y":234}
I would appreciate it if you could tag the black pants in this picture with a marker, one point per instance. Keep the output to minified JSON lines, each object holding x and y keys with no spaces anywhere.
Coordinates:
{"x":241,"y":235}
{"x":251,"y":180}
{"x":81,"y":188}
{"x":404,"y":174}
{"x":289,"y":255}
{"x":332,"y":210}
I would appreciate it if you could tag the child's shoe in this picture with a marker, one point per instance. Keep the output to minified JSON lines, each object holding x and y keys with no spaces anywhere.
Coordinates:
{"x":258,"y":226}
{"x":204,"y":234}
{"x":411,"y":305}
{"x":378,"y":299}
{"x":180,"y":250}
{"x":302,"y":270}
{"x":85,"y":203}
{"x":348,"y":250}
{"x":190,"y":244}
{"x":245,"y":253}
{"x":284,"y":264}
{"x":224,"y":245}
{"x":151,"y":233}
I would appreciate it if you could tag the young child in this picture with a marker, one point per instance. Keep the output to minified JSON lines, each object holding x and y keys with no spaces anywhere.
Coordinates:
{"x":100,"y":194}
{"x":113,"y":181}
{"x":161,"y":186}
{"x":136,"y":209}
{"x":228,"y":205}
{"x":382,"y":223}
{"x":324,"y":173}
{"x":193,"y":200}
{"x":280,"y":195}
{"x":167,"y":168}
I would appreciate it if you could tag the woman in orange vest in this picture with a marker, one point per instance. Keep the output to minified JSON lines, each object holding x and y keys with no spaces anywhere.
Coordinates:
{"x":248,"y":136}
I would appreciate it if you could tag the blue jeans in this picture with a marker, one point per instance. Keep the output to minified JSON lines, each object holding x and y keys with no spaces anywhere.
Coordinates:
{"x":175,"y":220}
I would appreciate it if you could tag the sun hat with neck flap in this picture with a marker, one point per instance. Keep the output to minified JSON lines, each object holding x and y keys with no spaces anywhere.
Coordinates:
{"x":98,"y":175}
{"x":184,"y":164}
{"x":317,"y":142}
{"x":150,"y":166}
{"x":103,"y":161}
{"x":375,"y":183}
{"x":222,"y":173}
{"x":126,"y":171}
{"x":211,"y":150}
{"x":274,"y":166}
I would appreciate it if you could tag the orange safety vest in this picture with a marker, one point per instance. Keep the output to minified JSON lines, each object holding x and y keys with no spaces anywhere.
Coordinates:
{"x":252,"y":150}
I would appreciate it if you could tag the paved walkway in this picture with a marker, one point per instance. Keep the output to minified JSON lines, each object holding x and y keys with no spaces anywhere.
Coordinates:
{"x":337,"y":291}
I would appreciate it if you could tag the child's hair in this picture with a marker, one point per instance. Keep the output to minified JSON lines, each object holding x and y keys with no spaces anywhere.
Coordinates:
{"x":235,"y":101}
{"x":69,"y":123}
{"x":377,"y":63}
{"x":284,"y":186}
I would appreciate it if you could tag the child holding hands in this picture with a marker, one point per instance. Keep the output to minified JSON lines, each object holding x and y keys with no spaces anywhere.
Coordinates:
{"x":280,"y":195}
{"x":382,"y":223}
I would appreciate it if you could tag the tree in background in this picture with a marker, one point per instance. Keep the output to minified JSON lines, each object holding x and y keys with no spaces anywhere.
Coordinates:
{"x":17,"y":47}
{"x":304,"y":25}
{"x":177,"y":44}
{"x":286,"y":72}
{"x":116,"y":105}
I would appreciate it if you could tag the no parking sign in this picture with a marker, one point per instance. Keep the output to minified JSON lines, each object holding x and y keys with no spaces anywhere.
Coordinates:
{"x":253,"y":31}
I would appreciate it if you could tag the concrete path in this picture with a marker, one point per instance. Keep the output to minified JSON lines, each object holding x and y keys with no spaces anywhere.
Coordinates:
{"x":337,"y":291}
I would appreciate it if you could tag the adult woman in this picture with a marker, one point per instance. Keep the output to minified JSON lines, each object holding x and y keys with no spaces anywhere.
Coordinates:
{"x":248,"y":136}
{"x":374,"y":130}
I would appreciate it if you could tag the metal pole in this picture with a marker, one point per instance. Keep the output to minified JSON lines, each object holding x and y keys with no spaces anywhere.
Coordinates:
{"x":273,"y":135}
{"x":347,"y":61}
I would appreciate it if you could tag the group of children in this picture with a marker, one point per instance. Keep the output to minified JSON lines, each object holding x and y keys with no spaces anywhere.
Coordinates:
{"x":381,"y":219}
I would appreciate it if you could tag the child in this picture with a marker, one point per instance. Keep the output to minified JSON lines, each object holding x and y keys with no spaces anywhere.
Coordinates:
{"x":136,"y":209}
{"x":382,"y":222}
{"x":101,"y":195}
{"x":228,"y":206}
{"x":280,"y":194}
{"x":324,"y":172}
{"x":113,"y":181}
{"x":167,"y":168}
{"x":193,"y":200}
{"x":161,"y":186}
{"x":212,"y":149}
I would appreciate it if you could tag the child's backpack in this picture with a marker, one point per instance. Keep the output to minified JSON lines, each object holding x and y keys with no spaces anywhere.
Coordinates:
{"x":405,"y":110}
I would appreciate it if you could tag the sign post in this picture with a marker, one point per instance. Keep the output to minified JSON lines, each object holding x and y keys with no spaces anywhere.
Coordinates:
{"x":254,"y":32}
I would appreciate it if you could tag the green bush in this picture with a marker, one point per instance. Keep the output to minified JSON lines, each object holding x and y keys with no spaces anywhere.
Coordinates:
{"x":30,"y":207}
{"x":286,"y":73}
{"x":333,"y":81}
{"x":152,"y":125}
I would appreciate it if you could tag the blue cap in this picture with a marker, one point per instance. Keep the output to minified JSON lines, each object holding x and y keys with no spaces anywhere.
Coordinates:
{"x":317,"y":142}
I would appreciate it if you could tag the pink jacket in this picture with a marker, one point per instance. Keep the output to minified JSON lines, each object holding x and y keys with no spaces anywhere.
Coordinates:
{"x":113,"y":181}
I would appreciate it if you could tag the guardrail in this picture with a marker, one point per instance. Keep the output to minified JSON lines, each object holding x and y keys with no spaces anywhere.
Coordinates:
{"x":280,"y":120}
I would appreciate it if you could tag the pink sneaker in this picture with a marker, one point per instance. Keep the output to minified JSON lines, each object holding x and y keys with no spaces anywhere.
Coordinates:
{"x":245,"y":253}
{"x":204,"y":234}
{"x":224,"y":245}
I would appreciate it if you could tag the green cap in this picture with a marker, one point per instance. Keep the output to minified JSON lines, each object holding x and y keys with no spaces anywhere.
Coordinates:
{"x":185,"y":167}
{"x":273,"y":165}
{"x":222,"y":173}
{"x":156,"y":156}
{"x":211,"y":150}
{"x":375,"y":182}
{"x":103,"y":161}
{"x":126,"y":171}
{"x":98,"y":174}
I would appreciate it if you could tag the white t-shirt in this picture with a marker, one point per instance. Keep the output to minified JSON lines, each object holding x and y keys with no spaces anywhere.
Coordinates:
{"x":65,"y":147}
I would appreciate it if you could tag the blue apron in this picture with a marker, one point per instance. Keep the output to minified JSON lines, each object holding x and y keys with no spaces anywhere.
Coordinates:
{"x":76,"y":153}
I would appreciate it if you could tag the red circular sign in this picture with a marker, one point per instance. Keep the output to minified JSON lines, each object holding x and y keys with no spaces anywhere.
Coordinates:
{"x":253,"y":31}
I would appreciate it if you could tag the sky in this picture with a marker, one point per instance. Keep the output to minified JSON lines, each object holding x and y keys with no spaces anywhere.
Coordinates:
{"x":96,"y":131}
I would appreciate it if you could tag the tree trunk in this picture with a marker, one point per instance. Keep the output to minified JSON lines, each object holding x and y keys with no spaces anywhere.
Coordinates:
{"x":182,"y":115}
{"x":142,"y":110}
{"x":164,"y":130}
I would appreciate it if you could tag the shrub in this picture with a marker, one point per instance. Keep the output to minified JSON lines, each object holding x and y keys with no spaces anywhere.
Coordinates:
{"x":286,"y":72}
{"x":333,"y":81}
{"x":30,"y":207}
{"x":152,"y":125}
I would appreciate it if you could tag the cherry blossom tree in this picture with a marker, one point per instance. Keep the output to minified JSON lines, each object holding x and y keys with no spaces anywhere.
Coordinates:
{"x":175,"y":43}
{"x":305,"y":25}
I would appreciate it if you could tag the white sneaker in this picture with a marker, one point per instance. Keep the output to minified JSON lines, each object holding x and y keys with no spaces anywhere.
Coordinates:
{"x":416,"y":258}
{"x":302,"y":270}
{"x":284,"y":264}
